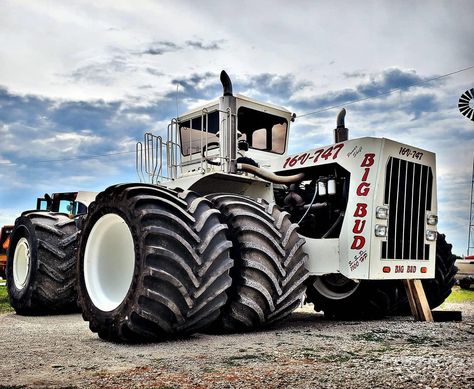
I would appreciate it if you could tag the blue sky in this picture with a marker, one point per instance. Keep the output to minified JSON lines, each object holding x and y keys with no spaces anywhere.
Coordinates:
{"x":84,"y":79}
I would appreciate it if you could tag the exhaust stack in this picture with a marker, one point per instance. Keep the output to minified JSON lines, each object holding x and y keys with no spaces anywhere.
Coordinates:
{"x":228,"y":137}
{"x":226,"y":84}
{"x":341,"y":133}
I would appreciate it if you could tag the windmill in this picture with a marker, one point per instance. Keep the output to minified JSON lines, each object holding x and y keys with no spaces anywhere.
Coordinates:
{"x":463,"y":104}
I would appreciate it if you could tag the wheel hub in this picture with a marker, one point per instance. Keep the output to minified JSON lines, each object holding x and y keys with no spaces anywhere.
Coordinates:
{"x":109,"y":262}
{"x":21,"y":263}
{"x":335,"y":286}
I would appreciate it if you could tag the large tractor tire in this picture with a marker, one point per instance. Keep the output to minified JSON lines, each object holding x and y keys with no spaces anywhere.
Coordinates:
{"x":268,"y":277}
{"x":41,"y":264}
{"x":436,"y":289}
{"x":341,"y":298}
{"x":152,"y":263}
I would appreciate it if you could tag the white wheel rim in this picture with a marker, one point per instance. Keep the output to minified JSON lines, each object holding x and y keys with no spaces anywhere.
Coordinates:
{"x":337,"y":288}
{"x":21,"y":263}
{"x":109,"y":262}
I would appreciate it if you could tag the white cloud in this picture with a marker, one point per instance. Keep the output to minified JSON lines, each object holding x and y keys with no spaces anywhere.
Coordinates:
{"x":85,"y":83}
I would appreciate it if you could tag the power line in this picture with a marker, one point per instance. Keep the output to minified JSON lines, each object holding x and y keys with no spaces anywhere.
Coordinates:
{"x":384,"y":93}
{"x":79,"y":157}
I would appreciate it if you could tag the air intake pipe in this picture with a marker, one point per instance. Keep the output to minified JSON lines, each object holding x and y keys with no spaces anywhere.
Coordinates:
{"x":270,"y":176}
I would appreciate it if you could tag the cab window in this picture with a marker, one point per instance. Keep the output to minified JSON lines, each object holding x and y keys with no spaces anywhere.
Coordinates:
{"x":67,"y":206}
{"x":262,"y":130}
{"x":190,"y":133}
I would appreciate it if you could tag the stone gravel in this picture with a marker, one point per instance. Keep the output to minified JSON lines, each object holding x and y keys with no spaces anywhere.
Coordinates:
{"x":306,"y":351}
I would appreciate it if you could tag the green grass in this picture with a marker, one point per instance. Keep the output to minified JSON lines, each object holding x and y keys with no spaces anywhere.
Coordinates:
{"x":238,"y":360}
{"x":4,"y":303}
{"x":459,"y":295}
{"x":374,"y":336}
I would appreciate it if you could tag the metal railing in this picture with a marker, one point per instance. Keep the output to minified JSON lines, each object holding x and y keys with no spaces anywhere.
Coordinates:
{"x":158,"y":160}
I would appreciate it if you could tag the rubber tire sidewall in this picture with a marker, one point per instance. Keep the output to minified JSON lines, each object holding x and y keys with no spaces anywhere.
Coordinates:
{"x":370,"y":300}
{"x":20,"y":299}
{"x":120,"y":313}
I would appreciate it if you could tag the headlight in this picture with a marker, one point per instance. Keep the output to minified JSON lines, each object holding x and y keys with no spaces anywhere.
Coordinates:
{"x":380,"y":230}
{"x":431,"y":235}
{"x":432,"y":220}
{"x":381,"y":213}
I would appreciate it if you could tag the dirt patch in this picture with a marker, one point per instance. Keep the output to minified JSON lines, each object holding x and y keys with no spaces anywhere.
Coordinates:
{"x":304,"y":352}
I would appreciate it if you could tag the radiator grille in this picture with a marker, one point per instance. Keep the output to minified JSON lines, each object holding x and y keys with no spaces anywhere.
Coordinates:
{"x":408,"y":192}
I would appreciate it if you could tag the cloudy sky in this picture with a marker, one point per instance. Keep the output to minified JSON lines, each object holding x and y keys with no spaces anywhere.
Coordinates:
{"x":80,"y":79}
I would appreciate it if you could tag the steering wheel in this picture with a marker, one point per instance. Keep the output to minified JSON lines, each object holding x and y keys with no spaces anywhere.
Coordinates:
{"x":209,"y":161}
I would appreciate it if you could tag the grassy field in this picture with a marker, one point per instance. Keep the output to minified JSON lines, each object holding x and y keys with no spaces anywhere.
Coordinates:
{"x":4,"y":304}
{"x":459,"y":295}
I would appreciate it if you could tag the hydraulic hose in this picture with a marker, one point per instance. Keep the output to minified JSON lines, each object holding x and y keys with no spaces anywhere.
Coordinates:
{"x":269,"y":176}
{"x":339,"y":219}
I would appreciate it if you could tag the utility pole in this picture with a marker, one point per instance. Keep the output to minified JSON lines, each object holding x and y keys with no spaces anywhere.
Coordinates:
{"x":470,"y":239}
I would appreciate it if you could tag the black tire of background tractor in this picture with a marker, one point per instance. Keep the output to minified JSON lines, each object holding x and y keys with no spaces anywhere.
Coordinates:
{"x":465,"y":283}
{"x":369,"y":299}
{"x":181,"y":267}
{"x":49,"y":284}
{"x":436,"y":289}
{"x":268,"y":277}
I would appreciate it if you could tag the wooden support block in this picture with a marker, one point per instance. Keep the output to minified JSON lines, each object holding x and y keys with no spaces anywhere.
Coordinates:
{"x":417,"y":299}
{"x":411,"y":299}
{"x":447,"y":315}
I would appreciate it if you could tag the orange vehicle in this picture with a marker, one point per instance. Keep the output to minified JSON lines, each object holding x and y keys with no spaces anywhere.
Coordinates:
{"x":5,"y":233}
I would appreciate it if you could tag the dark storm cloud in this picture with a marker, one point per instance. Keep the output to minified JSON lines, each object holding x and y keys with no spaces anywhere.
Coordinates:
{"x":196,"y":87}
{"x":163,"y":47}
{"x":277,"y":87}
{"x":101,"y":125}
{"x":354,"y":74}
{"x":203,"y":46}
{"x":103,"y":72}
{"x":33,"y":124}
{"x":374,"y":91}
{"x":25,"y":109}
{"x":390,"y":79}
{"x":80,"y":115}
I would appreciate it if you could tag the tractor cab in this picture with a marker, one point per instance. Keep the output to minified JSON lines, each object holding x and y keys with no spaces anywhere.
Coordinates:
{"x":213,"y":138}
{"x":261,"y":133}
{"x":71,"y":203}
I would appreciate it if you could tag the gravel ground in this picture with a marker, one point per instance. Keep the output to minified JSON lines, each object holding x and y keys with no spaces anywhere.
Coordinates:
{"x":306,"y":351}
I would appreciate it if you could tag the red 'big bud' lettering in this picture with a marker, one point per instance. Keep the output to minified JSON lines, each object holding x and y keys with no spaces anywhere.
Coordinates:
{"x":358,"y":241}
{"x":366,"y":174}
{"x":363,"y":189}
{"x":358,"y":226}
{"x":361,"y":210}
{"x":368,"y":160}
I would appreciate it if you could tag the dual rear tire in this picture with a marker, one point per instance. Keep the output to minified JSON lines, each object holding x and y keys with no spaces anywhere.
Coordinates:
{"x":269,"y":273}
{"x":155,"y":264}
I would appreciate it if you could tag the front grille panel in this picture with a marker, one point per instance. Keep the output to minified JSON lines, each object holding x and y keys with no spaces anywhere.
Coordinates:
{"x":408,"y":192}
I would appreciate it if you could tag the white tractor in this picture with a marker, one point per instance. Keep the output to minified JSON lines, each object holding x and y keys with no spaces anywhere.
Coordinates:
{"x":230,"y":232}
{"x":227,"y":231}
